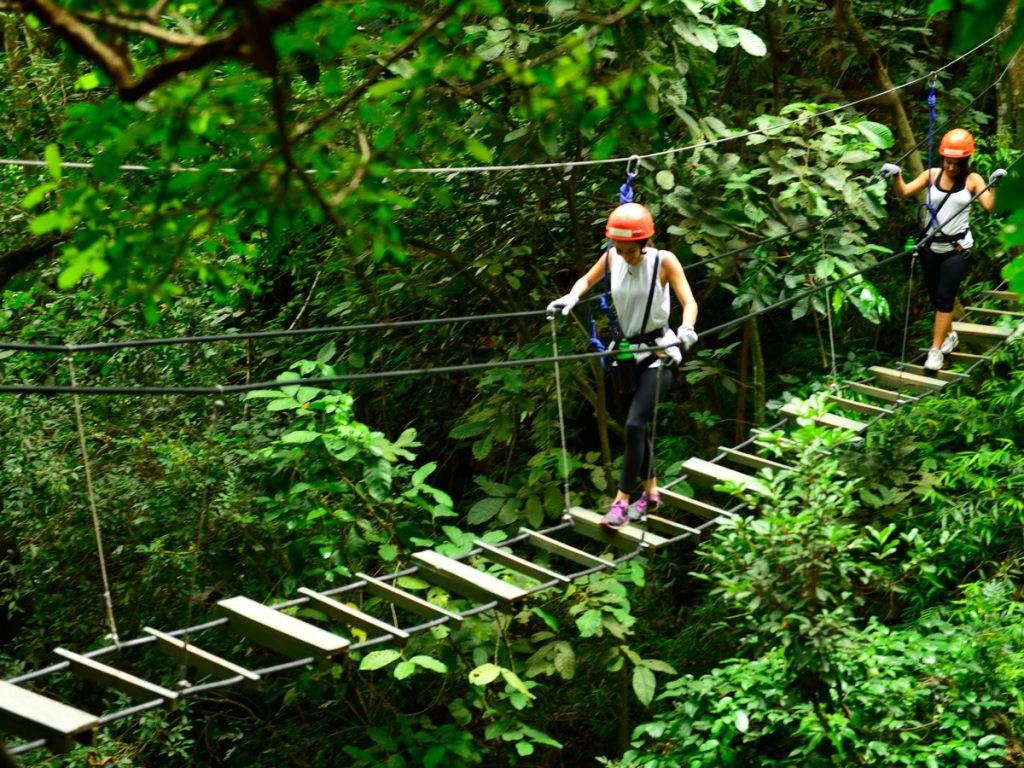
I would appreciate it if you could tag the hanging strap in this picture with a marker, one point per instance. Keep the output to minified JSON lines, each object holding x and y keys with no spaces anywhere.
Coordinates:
{"x":931,"y":136}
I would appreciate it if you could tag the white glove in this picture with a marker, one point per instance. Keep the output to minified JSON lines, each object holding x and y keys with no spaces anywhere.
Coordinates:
{"x":687,"y":336}
{"x":997,"y":174}
{"x":889,"y":170}
{"x":671,"y":343}
{"x":564,"y":304}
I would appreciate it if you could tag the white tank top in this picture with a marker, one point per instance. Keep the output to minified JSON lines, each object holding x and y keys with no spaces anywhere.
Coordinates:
{"x":954,"y":216}
{"x":630,"y":287}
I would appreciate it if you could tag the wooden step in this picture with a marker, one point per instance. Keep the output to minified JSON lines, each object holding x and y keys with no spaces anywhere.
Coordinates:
{"x":858,"y":407}
{"x":570,"y":553}
{"x":990,"y":311}
{"x":31,"y":716}
{"x":110,"y":677}
{"x":204,"y":661}
{"x":751,"y":460}
{"x":902,"y":380}
{"x":408,"y":601}
{"x":942,"y":374}
{"x":353,"y":617}
{"x":280,"y":632}
{"x":695,"y":506}
{"x":629,"y":536}
{"x":981,"y":332}
{"x":456,"y":576}
{"x":878,"y":393}
{"x":519,"y":564}
{"x":1001,"y":295}
{"x":710,"y":474}
{"x":830,"y":420}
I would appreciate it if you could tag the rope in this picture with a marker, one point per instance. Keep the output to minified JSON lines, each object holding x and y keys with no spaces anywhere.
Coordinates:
{"x":203,"y":504}
{"x":567,"y":164}
{"x":561,"y":418}
{"x":407,"y":372}
{"x":108,"y":602}
{"x":831,"y":333}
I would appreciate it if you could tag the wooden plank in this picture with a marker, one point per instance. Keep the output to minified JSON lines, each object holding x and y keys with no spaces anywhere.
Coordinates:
{"x":353,"y":617}
{"x":669,"y":528}
{"x":943,"y":374}
{"x":519,"y":564}
{"x":408,"y":601}
{"x":560,"y":548}
{"x":466,"y":580}
{"x":751,"y":460}
{"x":697,"y":507}
{"x":104,"y":674}
{"x":990,"y":311}
{"x":629,"y":536}
{"x":31,"y":716}
{"x":858,"y":407}
{"x":204,"y":661}
{"x":710,"y":474}
{"x":885,"y":395}
{"x":904,"y":380}
{"x":280,"y":632}
{"x":830,"y":420}
{"x":981,"y":332}
{"x":1000,"y":295}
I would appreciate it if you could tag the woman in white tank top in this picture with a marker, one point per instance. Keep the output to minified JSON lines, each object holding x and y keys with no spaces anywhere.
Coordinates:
{"x":948,"y":239}
{"x":640,"y":278}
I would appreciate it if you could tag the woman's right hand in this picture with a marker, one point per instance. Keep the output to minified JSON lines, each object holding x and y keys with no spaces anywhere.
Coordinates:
{"x":564,"y":304}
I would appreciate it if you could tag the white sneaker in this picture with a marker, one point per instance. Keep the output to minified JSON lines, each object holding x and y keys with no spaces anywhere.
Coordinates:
{"x":949,"y":343}
{"x":934,"y":361}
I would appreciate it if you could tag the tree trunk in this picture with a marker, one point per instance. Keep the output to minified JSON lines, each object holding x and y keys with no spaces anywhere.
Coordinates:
{"x":1010,"y":93}
{"x":757,"y":363}
{"x":849,"y":25}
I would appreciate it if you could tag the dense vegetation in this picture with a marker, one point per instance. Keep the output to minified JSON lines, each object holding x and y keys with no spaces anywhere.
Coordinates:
{"x":865,"y":613}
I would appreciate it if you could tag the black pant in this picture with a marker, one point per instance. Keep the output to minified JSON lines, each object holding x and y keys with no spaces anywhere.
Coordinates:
{"x":638,"y":455}
{"x":943,"y":273}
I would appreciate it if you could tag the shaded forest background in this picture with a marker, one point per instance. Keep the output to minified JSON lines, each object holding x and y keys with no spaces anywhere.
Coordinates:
{"x":866,"y":613}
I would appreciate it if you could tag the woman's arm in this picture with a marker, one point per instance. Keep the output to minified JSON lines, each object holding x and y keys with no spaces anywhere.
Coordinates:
{"x":903,"y":189}
{"x":975,"y":183}
{"x":672,"y":274}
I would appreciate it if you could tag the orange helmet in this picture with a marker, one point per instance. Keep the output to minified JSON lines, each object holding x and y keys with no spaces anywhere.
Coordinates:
{"x":957,"y":143}
{"x":630,"y":221}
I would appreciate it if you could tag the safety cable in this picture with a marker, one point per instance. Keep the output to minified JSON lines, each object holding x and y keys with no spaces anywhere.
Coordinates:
{"x":561,"y":417}
{"x":831,"y":333}
{"x":566,"y":164}
{"x":407,"y":372}
{"x":200,"y":526}
{"x":107,"y":599}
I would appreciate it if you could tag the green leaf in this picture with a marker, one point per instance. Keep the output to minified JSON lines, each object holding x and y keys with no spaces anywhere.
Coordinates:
{"x":589,"y":623}
{"x":423,"y":473}
{"x":484,"y":510}
{"x":404,"y":669}
{"x":435,"y":756}
{"x":378,"y":659}
{"x":37,"y":194}
{"x":752,"y":5}
{"x":52,"y":156}
{"x":428,"y":662}
{"x":299,"y":436}
{"x":525,"y":748}
{"x":478,"y":149}
{"x":665,"y":179}
{"x":546,"y":617}
{"x":485,"y":674}
{"x":751,"y":43}
{"x":87,"y":82}
{"x":558,"y":8}
{"x":876,"y":133}
{"x":470,"y":429}
{"x":644,"y":684}
{"x":283,"y":404}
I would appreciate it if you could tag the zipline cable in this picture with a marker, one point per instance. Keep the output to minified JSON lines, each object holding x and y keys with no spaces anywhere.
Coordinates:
{"x":565,"y":164}
{"x":108,"y":601}
{"x":227,"y":389}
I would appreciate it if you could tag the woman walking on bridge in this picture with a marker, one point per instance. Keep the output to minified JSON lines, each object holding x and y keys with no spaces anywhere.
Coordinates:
{"x":947,"y":240}
{"x":639,"y":277}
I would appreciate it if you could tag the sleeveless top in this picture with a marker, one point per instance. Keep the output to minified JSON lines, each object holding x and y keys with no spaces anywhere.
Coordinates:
{"x":954,"y":217}
{"x":630,"y":286}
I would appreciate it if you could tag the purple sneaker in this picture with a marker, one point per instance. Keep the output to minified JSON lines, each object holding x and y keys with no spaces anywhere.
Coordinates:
{"x":647,"y":503}
{"x":618,"y":514}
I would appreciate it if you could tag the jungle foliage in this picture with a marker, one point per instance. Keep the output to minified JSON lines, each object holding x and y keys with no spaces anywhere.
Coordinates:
{"x":273,"y":166}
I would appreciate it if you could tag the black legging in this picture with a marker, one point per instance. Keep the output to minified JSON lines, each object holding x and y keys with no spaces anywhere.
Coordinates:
{"x":943,"y":273}
{"x":638,"y":455}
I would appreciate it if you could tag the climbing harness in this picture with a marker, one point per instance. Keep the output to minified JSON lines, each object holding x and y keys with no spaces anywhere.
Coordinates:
{"x":108,"y":602}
